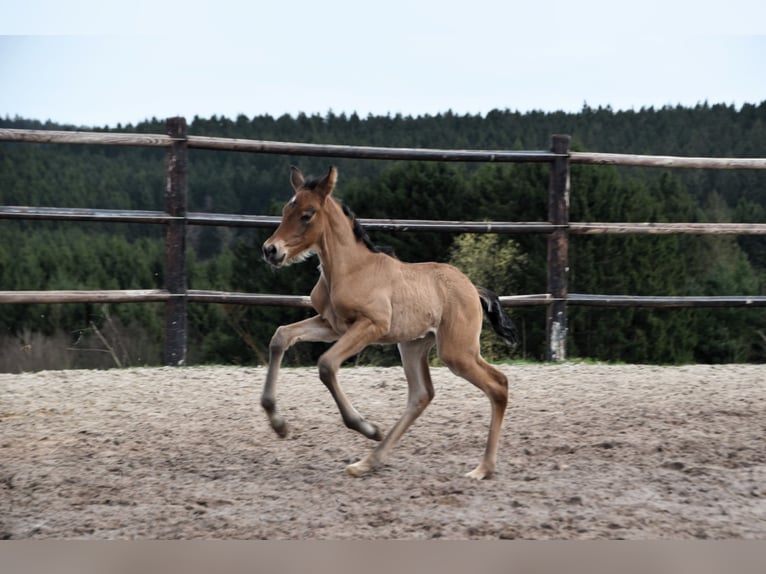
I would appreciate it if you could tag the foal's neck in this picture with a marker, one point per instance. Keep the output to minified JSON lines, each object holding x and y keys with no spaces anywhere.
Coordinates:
{"x":340,"y":251}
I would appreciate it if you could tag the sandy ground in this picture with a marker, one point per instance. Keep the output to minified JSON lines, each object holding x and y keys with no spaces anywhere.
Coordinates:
{"x":588,"y":451}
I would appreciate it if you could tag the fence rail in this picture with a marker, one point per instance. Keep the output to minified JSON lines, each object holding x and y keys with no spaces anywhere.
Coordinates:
{"x":667,"y":161}
{"x":228,"y":297}
{"x":368,"y":152}
{"x":236,"y":220}
{"x":175,"y":296}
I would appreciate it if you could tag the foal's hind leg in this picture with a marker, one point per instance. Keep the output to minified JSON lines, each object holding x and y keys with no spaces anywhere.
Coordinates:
{"x":471,"y":366}
{"x":313,"y":329}
{"x":420,"y":392}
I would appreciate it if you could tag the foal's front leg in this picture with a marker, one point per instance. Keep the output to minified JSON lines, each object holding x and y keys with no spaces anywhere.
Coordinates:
{"x":362,"y":333}
{"x":314,"y":329}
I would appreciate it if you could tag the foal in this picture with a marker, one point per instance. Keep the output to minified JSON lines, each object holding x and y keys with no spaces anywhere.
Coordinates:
{"x":363,"y":297}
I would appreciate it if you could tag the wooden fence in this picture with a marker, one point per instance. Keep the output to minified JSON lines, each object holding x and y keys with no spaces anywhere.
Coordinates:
{"x":176,"y":218}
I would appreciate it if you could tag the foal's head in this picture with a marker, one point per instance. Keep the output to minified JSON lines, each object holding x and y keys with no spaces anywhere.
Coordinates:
{"x":303,"y":219}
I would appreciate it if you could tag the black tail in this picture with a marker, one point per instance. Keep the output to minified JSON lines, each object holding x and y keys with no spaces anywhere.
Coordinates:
{"x":501,"y":322}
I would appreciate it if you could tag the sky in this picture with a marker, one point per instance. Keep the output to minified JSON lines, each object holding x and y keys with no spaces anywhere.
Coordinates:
{"x":101,"y":62}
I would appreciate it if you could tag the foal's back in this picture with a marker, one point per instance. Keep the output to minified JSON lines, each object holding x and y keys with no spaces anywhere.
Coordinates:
{"x":428,"y":298}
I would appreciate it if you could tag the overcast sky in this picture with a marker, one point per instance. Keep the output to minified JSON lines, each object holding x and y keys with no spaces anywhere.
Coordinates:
{"x":100,"y":62}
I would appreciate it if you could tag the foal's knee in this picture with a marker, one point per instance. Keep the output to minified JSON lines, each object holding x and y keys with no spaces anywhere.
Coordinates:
{"x":278,"y":341}
{"x":327,"y":370}
{"x":421,"y":398}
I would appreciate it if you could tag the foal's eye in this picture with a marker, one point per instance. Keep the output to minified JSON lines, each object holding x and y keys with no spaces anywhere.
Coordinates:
{"x":307,"y":215}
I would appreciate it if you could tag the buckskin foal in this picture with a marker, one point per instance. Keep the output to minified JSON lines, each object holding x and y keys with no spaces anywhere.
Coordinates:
{"x":364,"y":296}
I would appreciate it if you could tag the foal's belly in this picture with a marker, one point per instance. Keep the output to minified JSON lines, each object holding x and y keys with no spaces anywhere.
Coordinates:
{"x":403,"y":336}
{"x":410,"y":325}
{"x":403,"y":326}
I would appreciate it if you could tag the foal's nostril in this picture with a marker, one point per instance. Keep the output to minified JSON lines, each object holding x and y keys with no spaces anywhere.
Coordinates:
{"x":271,"y":255}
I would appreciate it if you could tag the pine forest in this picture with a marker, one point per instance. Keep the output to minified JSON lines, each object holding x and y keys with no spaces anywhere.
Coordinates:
{"x":45,"y":255}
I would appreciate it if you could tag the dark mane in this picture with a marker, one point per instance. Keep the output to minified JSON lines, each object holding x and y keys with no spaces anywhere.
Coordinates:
{"x":361,"y":234}
{"x":311,"y":182}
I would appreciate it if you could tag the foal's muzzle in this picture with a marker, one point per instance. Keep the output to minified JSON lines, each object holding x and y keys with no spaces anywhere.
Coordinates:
{"x":272,"y":256}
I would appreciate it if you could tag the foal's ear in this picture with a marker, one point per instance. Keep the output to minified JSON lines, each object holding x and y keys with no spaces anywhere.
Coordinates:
{"x":296,"y":178}
{"x":327,"y":183}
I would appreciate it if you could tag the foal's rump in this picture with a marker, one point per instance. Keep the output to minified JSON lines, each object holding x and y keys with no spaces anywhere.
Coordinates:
{"x":442,"y":295}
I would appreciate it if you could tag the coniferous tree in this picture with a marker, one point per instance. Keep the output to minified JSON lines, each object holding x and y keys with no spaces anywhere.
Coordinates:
{"x":44,"y":255}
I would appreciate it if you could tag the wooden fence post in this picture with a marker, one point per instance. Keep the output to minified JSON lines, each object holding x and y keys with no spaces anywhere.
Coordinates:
{"x":558,"y":251}
{"x":176,"y":186}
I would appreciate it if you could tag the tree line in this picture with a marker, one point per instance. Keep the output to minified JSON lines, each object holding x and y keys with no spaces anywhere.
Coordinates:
{"x":49,"y":255}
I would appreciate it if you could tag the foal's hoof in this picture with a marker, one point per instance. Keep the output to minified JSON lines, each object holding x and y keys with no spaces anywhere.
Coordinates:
{"x":370,"y":430}
{"x":479,"y":473}
{"x":376,"y":435}
{"x":359,"y":468}
{"x":279,"y":425}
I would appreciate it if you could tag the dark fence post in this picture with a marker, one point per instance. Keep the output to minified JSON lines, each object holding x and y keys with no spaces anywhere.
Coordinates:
{"x":558,"y":251}
{"x":175,"y":243}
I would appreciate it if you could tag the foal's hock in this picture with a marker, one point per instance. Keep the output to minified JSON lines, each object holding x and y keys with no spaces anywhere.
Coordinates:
{"x":364,"y":296}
